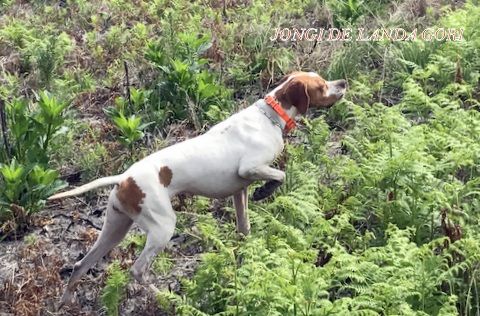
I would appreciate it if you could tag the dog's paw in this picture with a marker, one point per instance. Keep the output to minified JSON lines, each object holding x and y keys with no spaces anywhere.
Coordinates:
{"x":265,"y":190}
{"x":66,"y":299}
{"x":137,"y":275}
{"x":259,"y":194}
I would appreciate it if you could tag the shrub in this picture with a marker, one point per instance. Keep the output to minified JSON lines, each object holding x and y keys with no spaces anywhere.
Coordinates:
{"x":186,"y":89}
{"x":28,"y":180}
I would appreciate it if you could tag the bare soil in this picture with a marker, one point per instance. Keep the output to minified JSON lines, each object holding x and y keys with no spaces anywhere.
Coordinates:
{"x":35,"y":268}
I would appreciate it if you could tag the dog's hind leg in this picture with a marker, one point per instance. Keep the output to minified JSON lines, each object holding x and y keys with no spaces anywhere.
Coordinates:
{"x":115,"y":227}
{"x":158,"y":220}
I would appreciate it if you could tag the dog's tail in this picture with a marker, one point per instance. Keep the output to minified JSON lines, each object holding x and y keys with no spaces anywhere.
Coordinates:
{"x":87,"y":187}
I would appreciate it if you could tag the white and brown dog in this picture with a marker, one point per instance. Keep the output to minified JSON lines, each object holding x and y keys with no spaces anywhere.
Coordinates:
{"x":222,"y":162}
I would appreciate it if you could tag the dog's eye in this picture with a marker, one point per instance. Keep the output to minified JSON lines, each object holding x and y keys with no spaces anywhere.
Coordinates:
{"x":322,"y":88}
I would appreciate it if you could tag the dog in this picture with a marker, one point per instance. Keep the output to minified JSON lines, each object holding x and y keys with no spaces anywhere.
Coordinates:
{"x":220,"y":163}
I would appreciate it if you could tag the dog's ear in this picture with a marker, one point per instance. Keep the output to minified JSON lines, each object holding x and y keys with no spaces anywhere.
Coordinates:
{"x":296,"y":94}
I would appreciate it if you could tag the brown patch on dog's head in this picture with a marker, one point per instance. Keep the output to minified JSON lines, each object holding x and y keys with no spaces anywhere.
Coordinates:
{"x":130,"y":195}
{"x":303,"y":89}
{"x":165,"y":176}
{"x":294,"y":93}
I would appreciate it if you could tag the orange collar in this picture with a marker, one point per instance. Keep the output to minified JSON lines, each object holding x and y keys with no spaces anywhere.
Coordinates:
{"x":273,"y":103}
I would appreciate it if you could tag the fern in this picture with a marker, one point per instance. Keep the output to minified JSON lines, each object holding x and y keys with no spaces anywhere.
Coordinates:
{"x":114,"y":289}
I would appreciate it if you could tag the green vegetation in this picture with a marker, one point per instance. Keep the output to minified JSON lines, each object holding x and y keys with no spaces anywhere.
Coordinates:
{"x":379,"y":212}
{"x":26,"y":178}
{"x":114,"y":289}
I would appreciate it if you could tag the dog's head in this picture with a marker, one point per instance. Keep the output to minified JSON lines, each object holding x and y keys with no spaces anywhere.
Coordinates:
{"x":308,"y":89}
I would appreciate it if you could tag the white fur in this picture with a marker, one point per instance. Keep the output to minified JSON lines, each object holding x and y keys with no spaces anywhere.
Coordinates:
{"x":334,"y":89}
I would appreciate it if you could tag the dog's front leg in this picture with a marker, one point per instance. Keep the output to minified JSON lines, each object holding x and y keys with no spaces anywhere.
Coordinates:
{"x":265,"y":190}
{"x":274,"y":178}
{"x":240,"y":202}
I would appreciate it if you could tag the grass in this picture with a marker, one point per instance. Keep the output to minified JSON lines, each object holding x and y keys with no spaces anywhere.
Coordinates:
{"x":386,"y":224}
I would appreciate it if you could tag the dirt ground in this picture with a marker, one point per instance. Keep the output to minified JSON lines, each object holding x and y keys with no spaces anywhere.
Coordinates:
{"x":35,"y":268}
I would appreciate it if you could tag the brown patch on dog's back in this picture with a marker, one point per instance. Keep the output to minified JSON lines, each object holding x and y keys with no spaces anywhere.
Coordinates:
{"x":165,"y":176}
{"x":130,"y":195}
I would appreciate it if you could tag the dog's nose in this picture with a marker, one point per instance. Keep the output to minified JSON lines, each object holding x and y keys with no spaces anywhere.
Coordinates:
{"x":342,"y":84}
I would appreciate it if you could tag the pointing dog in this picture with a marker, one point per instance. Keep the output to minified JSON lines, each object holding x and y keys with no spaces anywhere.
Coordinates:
{"x":220,"y":163}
